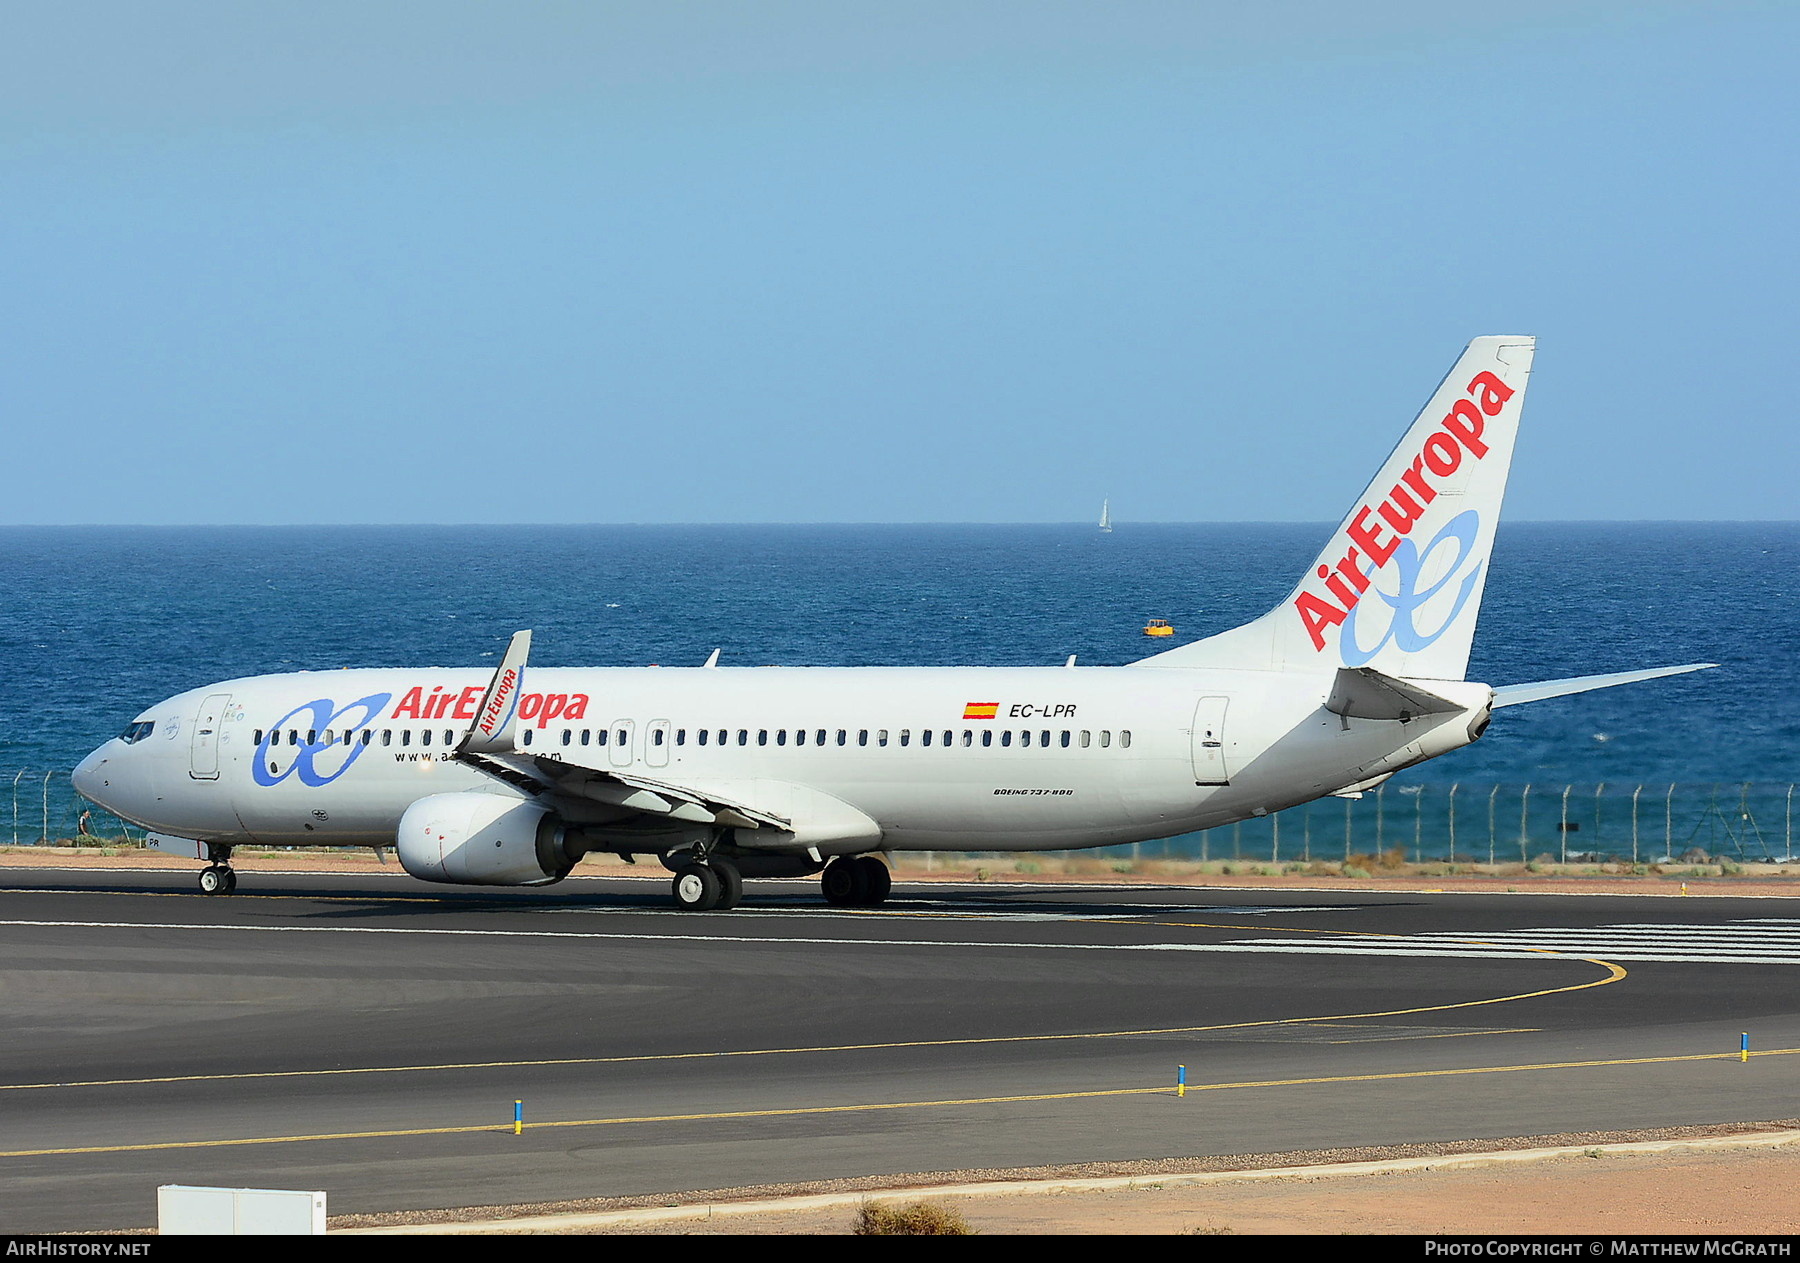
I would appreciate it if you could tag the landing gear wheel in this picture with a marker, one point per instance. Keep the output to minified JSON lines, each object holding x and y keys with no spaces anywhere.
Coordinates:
{"x":215,"y":880}
{"x":731,"y":884}
{"x":877,"y":880}
{"x":845,"y":883}
{"x":697,"y":888}
{"x":230,"y":880}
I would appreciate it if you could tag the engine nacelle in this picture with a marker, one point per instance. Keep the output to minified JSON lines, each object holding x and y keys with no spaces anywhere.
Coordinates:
{"x":476,"y":839}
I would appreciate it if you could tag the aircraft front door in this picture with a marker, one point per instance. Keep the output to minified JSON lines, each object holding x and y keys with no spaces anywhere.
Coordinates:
{"x":1209,"y":742}
{"x":204,"y":756}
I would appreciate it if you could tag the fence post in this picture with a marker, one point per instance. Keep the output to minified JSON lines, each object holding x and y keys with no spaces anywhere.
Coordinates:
{"x":1347,"y":803}
{"x":1418,"y":826}
{"x":1524,"y":839}
{"x":1493,"y":794}
{"x":1380,"y":820}
{"x":47,"y":776}
{"x":1669,"y":822}
{"x":1453,"y":785}
{"x":1634,"y":825}
{"x":16,"y":779}
{"x":1565,"y":824}
{"x":1598,"y":790}
{"x":1275,"y":845}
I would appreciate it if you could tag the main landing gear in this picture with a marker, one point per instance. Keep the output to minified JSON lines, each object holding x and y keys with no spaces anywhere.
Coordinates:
{"x":218,"y":877}
{"x":856,"y":881}
{"x":703,"y":886}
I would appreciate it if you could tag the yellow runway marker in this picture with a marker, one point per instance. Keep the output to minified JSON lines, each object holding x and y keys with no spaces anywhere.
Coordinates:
{"x":1162,"y":1089}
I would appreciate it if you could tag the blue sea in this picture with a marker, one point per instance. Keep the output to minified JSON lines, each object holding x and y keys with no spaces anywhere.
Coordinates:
{"x":100,"y":621}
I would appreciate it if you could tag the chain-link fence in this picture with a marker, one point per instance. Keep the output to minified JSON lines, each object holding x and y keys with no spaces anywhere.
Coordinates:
{"x":46,"y":808}
{"x":1610,"y":822}
{"x":1489,"y":823}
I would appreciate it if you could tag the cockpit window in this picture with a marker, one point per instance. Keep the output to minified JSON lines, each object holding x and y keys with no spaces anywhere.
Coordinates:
{"x":138,"y":731}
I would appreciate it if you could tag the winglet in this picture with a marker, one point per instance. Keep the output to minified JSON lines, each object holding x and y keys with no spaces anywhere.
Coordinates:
{"x":712,"y":659}
{"x":492,"y":731}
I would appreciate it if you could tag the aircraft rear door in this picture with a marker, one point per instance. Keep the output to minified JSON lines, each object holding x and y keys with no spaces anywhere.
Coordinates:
{"x":656,"y":744}
{"x":1209,"y":742}
{"x":204,"y":755}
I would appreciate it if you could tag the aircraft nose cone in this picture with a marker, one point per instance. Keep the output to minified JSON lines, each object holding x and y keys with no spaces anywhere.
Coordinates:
{"x":90,"y":777}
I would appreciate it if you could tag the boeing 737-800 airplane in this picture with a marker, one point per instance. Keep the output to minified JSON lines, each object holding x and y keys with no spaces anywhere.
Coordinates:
{"x":509,"y":778}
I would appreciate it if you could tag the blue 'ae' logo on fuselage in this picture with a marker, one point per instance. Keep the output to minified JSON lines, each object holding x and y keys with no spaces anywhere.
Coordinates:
{"x":307,"y":749}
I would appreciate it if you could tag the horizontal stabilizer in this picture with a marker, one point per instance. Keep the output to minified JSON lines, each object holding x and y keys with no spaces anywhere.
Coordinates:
{"x":1518,"y":694}
{"x":1365,"y":693}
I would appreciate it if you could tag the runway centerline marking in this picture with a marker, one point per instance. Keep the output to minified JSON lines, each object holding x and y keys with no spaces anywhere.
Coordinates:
{"x":1163,"y":1089}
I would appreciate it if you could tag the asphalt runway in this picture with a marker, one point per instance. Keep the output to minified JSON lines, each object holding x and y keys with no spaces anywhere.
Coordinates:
{"x":368,"y":1035}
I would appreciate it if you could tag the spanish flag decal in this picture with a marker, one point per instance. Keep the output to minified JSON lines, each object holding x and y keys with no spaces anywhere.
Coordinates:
{"x":981,"y":710}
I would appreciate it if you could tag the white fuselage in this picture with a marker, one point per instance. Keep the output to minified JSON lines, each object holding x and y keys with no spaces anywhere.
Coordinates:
{"x":937,"y":758}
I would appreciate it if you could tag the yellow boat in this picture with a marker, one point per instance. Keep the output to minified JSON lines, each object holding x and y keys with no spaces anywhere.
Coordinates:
{"x":1158,"y":627}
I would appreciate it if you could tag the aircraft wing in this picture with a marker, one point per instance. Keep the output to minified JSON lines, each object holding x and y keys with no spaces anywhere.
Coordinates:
{"x":548,"y":773}
{"x":1518,"y":694}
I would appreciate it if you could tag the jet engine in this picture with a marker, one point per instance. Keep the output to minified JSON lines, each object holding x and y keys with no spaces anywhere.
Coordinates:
{"x":476,"y":839}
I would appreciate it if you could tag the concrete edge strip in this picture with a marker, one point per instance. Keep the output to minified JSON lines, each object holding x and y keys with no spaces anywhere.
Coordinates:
{"x":1010,"y":1188}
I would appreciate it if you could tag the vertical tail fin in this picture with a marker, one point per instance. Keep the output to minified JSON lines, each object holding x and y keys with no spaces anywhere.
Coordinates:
{"x":1398,"y":586}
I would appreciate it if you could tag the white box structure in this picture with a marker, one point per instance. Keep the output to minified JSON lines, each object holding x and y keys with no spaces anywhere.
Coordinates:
{"x":189,"y":1210}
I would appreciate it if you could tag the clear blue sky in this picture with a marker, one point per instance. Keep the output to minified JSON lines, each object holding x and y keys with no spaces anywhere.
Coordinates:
{"x":832,"y":260}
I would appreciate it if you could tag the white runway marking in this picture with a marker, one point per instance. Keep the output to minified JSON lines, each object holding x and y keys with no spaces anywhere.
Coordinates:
{"x":1769,"y":941}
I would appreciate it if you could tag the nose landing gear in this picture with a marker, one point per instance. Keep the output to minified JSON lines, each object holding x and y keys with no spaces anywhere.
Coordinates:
{"x":218,"y":877}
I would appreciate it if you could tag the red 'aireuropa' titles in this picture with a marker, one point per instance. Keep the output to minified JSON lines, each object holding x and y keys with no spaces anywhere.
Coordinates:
{"x":1442,"y":454}
{"x":438,"y":704}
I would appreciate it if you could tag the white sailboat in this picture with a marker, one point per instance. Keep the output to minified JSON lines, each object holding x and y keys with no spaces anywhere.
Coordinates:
{"x":1106,"y":516}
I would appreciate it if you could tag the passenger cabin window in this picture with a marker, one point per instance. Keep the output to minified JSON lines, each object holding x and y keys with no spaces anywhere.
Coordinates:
{"x":425,"y":737}
{"x":987,"y":736}
{"x":656,"y":736}
{"x":1125,"y":739}
{"x":527,"y":737}
{"x":906,"y":736}
{"x":819,"y":738}
{"x":703,"y":736}
{"x":881,"y":736}
{"x":1105,"y":738}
